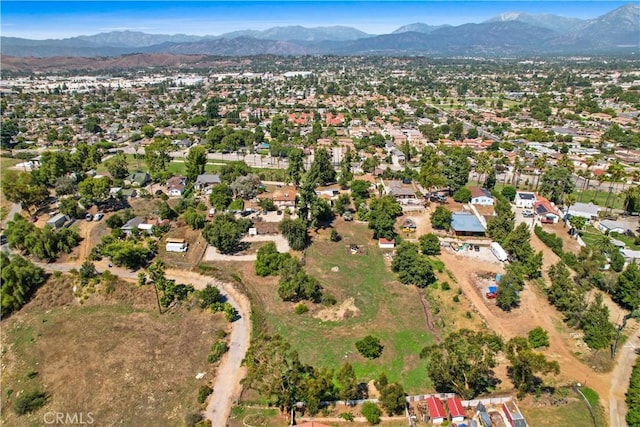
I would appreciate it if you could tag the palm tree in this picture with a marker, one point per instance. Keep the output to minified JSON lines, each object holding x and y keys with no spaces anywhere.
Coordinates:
{"x":616,"y":173}
{"x":589,"y":162}
{"x":569,"y":200}
{"x":539,"y":163}
{"x":630,"y":193}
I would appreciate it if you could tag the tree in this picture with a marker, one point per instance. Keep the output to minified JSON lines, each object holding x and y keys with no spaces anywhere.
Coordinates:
{"x":456,"y":167}
{"x":463,"y":362}
{"x":231,"y":171}
{"x":538,"y":337}
{"x":20,"y":187}
{"x":321,"y":171}
{"x":371,"y":412}
{"x":193,"y":219}
{"x":463,"y":195}
{"x":412,"y":268}
{"x":441,"y":218}
{"x":65,"y":185}
{"x":360,"y":189}
{"x":598,"y":330}
{"x":209,"y":296}
{"x":295,"y":285}
{"x":525,"y":364}
{"x":382,"y":214}
{"x":429,"y":244}
{"x":246,"y":186}
{"x":87,"y":271}
{"x":117,"y":166}
{"x":269,"y":261}
{"x":369,"y":347}
{"x":347,"y":382}
{"x":220,"y":197}
{"x":157,"y":156}
{"x":166,"y":212}
{"x":70,"y":207}
{"x":224,"y":232}
{"x":295,"y":231}
{"x":556,"y":182}
{"x":94,"y":190}
{"x":578,"y":222}
{"x":20,"y":279}
{"x":295,"y":169}
{"x":509,"y":192}
{"x":393,"y":399}
{"x":627,"y":290}
{"x":195,"y":162}
{"x":148,"y":130}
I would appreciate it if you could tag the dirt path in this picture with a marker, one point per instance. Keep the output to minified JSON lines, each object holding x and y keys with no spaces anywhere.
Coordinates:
{"x":534,"y":311}
{"x":226,"y":386}
{"x":212,"y":254}
{"x":620,"y":380}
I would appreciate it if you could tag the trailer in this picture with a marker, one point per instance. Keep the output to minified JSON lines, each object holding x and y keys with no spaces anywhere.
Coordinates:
{"x":176,"y":245}
{"x":497,"y":250}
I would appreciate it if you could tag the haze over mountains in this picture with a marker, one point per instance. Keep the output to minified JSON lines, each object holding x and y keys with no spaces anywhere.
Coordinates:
{"x":510,"y":33}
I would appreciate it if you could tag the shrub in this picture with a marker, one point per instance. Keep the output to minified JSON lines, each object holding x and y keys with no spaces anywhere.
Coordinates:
{"x":335,"y":237}
{"x":369,"y":347}
{"x":348,"y":416}
{"x":328,"y":299}
{"x":192,"y":419}
{"x":204,"y":392}
{"x":29,"y":402}
{"x":371,"y":412}
{"x":463,"y":195}
{"x":538,"y":337}
{"x":445,"y":286}
{"x":301,"y":309}
{"x":456,"y":298}
{"x":218,"y":349}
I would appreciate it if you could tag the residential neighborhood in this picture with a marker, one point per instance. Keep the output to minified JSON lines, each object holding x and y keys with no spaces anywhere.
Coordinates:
{"x":438,"y":241}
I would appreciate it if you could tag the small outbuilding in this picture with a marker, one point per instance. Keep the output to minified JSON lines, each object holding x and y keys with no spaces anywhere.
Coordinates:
{"x":386,"y":243}
{"x":58,"y":221}
{"x":466,"y":224}
{"x":513,"y":414}
{"x":436,"y":410}
{"x":456,"y":411}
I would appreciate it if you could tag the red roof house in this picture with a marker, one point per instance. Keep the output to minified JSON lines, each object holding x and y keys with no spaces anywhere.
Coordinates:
{"x":436,"y":410}
{"x":456,"y":411}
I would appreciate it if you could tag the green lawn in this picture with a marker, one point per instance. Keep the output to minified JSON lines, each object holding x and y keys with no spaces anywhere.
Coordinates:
{"x":574,"y":413}
{"x":388,"y":310}
{"x":600,"y":198}
{"x":591,"y":236}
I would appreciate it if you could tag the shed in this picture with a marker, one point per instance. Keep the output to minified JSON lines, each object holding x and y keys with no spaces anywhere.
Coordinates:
{"x":456,"y":411}
{"x":436,"y":410}
{"x":58,"y":221}
{"x":466,"y":224}
{"x":513,"y":414}
{"x":483,"y":416}
{"x":386,"y":243}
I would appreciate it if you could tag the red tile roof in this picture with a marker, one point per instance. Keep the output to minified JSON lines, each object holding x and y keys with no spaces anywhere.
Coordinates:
{"x":436,"y":410}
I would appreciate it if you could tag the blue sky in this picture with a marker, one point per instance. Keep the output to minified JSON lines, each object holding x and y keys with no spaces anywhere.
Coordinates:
{"x":56,"y":19}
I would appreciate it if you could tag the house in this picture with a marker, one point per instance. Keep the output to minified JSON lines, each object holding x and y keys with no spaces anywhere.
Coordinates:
{"x":456,"y":411}
{"x":137,"y":179}
{"x":466,"y":224}
{"x":630,"y":256}
{"x":585,"y":210}
{"x":525,"y":199}
{"x":436,"y":410}
{"x":513,"y":414}
{"x":481,"y":196}
{"x":403,"y":193}
{"x":283,"y":198}
{"x":386,"y":243}
{"x":176,"y":185}
{"x":546,"y":211}
{"x":134,"y":223}
{"x":206,"y":182}
{"x":122,"y":192}
{"x":330,"y":192}
{"x":483,"y":416}
{"x":58,"y":221}
{"x":609,"y":226}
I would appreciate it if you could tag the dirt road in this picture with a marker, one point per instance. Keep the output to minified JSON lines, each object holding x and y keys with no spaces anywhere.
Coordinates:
{"x":212,"y":254}
{"x":620,"y":380}
{"x":226,"y":387}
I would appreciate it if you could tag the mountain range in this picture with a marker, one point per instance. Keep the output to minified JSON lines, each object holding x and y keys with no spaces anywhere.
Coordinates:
{"x":511,"y":33}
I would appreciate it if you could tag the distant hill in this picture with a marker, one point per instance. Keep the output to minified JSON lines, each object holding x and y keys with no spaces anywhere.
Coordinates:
{"x":512,"y":33}
{"x":559,"y":24}
{"x":418,"y":27}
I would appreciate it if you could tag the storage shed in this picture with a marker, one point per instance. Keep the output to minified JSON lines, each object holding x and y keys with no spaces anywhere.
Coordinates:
{"x":386,"y":243}
{"x":456,"y":411}
{"x":466,"y":224}
{"x":436,"y":410}
{"x":58,"y":221}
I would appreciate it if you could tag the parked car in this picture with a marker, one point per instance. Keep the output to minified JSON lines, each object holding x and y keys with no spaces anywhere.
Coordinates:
{"x":98,"y":216}
{"x":476,"y":248}
{"x":88,"y":217}
{"x":527,"y":213}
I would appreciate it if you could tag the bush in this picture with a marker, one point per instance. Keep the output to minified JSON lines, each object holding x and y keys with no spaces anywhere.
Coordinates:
{"x":463,"y":195}
{"x":348,"y":416}
{"x":538,"y":337}
{"x":445,"y":286}
{"x":218,"y":349}
{"x":371,"y":412}
{"x":29,"y":402}
{"x":456,"y":298}
{"x":328,"y":299}
{"x":192,"y":419}
{"x":301,"y":309}
{"x":335,"y":237}
{"x":370,"y":347}
{"x":204,"y":392}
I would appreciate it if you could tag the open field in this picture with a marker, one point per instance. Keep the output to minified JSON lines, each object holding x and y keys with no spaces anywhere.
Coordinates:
{"x":370,"y":301}
{"x":113,"y":356}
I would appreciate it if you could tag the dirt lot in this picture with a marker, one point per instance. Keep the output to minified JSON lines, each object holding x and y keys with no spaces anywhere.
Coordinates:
{"x":113,"y":356}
